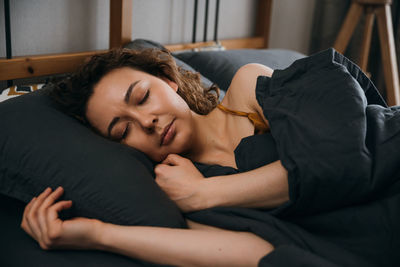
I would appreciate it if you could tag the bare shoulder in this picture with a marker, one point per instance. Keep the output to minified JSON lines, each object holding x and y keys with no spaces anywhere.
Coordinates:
{"x":241,"y":94}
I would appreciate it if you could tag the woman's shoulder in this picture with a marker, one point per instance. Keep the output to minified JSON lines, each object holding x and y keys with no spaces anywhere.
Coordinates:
{"x":241,"y":94}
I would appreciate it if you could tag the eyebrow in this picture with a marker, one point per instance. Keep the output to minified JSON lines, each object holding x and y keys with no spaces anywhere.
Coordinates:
{"x":126,"y":100}
{"x":129,"y":91}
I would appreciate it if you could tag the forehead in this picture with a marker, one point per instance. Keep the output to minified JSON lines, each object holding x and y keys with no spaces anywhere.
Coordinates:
{"x":119,"y":77}
{"x":113,"y":86}
{"x":108,"y":95}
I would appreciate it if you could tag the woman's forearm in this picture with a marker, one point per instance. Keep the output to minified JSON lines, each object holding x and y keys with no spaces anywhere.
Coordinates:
{"x":183,"y":247}
{"x":264,"y":187}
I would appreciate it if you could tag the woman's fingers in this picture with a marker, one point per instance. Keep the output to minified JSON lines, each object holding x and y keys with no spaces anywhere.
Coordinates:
{"x":28,"y":206}
{"x":43,"y":212}
{"x":50,"y":199}
{"x":24,"y":223}
{"x":40,"y":219}
{"x":39,"y":200}
{"x":41,"y":222}
{"x":173,"y":159}
{"x":32,"y":214}
{"x":55,"y":228}
{"x":56,"y":208}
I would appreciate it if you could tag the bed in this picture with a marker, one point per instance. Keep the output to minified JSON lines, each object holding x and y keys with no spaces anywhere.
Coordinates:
{"x":40,"y":146}
{"x":17,"y":247}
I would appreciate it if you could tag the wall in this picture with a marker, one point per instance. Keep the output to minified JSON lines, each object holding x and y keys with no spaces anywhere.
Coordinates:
{"x":175,"y":23}
{"x":52,"y":26}
{"x":291,"y":24}
{"x":2,"y":34}
{"x":56,"y":26}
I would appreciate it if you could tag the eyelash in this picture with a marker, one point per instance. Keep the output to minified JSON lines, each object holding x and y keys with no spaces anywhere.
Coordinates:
{"x":126,"y":132}
{"x":145,"y":97}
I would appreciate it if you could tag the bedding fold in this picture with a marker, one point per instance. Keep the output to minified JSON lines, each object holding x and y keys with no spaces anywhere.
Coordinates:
{"x":340,"y":143}
{"x":334,"y":144}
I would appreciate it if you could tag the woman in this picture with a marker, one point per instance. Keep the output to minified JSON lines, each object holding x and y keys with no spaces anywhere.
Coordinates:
{"x":143,"y":100}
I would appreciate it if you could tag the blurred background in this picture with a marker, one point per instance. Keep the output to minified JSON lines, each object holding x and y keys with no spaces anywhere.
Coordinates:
{"x":306,"y":26}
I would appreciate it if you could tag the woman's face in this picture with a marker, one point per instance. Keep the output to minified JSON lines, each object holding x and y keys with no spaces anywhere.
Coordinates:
{"x":141,"y":111}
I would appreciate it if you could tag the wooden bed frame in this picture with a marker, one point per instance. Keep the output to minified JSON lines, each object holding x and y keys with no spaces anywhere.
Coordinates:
{"x":120,"y":34}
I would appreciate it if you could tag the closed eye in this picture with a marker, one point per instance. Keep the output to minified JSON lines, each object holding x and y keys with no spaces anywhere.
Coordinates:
{"x":126,"y":132}
{"x":145,"y":97}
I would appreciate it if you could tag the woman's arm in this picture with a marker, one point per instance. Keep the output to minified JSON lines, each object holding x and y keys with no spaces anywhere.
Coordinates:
{"x":264,"y":187}
{"x":184,"y":247}
{"x":199,"y":246}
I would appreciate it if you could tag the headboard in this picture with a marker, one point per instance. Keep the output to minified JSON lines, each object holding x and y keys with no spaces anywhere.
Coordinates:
{"x":120,"y":34}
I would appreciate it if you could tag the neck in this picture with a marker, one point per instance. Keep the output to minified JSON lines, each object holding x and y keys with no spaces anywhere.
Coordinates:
{"x":209,"y":132}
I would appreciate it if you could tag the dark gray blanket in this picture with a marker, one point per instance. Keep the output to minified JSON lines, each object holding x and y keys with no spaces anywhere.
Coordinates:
{"x":341,"y":146}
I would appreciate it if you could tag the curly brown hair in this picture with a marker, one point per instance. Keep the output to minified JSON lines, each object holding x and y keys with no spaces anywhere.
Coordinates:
{"x":73,"y":93}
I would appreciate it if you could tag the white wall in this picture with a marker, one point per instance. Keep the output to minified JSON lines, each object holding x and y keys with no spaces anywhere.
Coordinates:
{"x":291,"y":24}
{"x":55,"y":26}
{"x":173,"y":22}
{"x":52,"y":26}
{"x":2,"y":33}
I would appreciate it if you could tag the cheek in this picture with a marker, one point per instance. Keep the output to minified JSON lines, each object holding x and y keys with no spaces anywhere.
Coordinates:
{"x":139,"y":143}
{"x":184,"y":135}
{"x":136,"y":139}
{"x":144,"y":143}
{"x":177,"y":102}
{"x":146,"y":148}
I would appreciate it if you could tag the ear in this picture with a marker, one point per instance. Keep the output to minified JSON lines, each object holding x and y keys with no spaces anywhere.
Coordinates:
{"x":172,"y":84}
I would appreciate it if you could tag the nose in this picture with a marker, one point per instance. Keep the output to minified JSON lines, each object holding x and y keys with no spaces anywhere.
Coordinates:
{"x":146,"y":120}
{"x":148,"y":123}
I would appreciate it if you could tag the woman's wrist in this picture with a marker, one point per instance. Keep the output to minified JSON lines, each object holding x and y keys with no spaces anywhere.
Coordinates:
{"x":97,"y":235}
{"x":208,"y":196}
{"x":264,"y":187}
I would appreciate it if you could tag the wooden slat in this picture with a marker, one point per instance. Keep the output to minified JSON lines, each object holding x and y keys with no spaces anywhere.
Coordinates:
{"x":374,"y":2}
{"x":120,"y":22}
{"x":120,"y":33}
{"x":34,"y":66}
{"x":253,"y":42}
{"x":388,"y":50}
{"x":188,"y":46}
{"x":264,"y":11}
{"x":366,"y":41}
{"x":348,"y":26}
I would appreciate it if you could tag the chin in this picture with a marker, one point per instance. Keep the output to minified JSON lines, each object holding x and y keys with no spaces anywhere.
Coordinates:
{"x":157,"y":158}
{"x":179,"y":146}
{"x":162,"y":158}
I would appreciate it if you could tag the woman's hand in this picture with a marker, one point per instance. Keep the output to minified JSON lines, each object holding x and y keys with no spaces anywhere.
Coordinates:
{"x":40,"y":220}
{"x":182,"y":182}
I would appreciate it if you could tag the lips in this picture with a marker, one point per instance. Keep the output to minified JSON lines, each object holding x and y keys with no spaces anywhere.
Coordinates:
{"x":167,"y":134}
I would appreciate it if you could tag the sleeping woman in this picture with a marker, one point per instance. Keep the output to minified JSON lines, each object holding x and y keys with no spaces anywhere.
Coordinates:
{"x":332,"y":198}
{"x":142,"y":100}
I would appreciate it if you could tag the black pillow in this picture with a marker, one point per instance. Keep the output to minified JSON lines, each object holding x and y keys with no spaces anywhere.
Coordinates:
{"x":18,"y":248}
{"x":40,"y":146}
{"x":221,"y":66}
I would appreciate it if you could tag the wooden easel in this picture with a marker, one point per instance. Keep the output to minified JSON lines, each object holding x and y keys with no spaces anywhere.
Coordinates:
{"x":380,"y":9}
